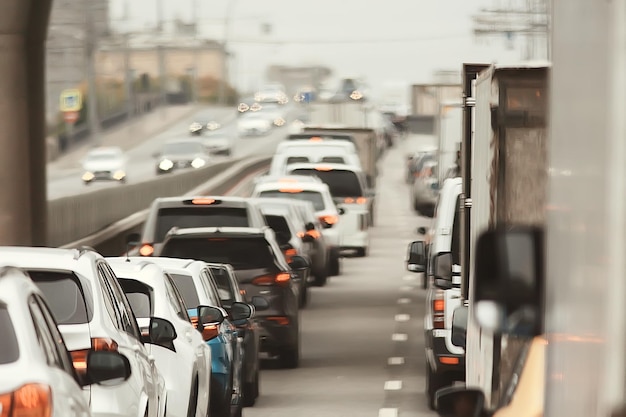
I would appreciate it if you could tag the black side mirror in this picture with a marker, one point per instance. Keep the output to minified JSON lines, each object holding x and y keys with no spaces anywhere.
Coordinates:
{"x":460,"y":402}
{"x":106,"y":368}
{"x":510,"y":280}
{"x":309,"y":226}
{"x":416,"y":258}
{"x":161,"y":333}
{"x":442,"y":267}
{"x":422,"y":230}
{"x":133,"y":239}
{"x":240,"y":311}
{"x":208,"y":315}
{"x":459,"y":326}
{"x":341,"y":211}
{"x":260,"y":303}
{"x":307,"y":238}
{"x":298,"y":263}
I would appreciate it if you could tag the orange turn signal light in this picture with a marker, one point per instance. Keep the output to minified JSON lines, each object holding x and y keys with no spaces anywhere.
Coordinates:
{"x":282,"y":320}
{"x":448,"y":360}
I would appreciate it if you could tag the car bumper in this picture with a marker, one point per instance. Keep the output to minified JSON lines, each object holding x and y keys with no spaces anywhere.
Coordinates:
{"x":441,"y":360}
{"x":275,"y":337}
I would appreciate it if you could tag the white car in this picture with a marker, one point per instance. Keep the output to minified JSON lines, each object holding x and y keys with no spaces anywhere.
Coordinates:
{"x":326,"y":211}
{"x":186,"y":362}
{"x":348,"y":187}
{"x":253,"y":124}
{"x":104,"y":164}
{"x":290,"y":152}
{"x":93,"y":313}
{"x":194,"y":280}
{"x":37,"y":377}
{"x":218,"y":144}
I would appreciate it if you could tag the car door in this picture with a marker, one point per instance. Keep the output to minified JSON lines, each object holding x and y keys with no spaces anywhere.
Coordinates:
{"x":68,"y":398}
{"x":226,"y":328}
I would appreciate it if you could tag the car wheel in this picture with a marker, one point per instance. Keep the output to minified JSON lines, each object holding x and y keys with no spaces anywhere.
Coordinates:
{"x":434,"y":382}
{"x":335,"y":265}
{"x":361,"y":252}
{"x":251,"y":391}
{"x":321,"y":277}
{"x":290,"y":357}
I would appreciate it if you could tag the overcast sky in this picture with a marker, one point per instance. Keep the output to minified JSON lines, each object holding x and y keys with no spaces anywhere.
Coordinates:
{"x":401,"y":40}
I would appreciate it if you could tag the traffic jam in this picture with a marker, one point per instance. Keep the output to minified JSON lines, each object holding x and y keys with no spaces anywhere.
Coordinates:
{"x":180,"y":323}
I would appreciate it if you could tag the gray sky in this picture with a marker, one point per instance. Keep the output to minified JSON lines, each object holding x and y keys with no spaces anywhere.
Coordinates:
{"x":403,"y":40}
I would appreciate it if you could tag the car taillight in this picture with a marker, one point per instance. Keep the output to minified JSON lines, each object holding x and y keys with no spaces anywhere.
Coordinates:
{"x":357,"y":200}
{"x":282,"y":320}
{"x":30,"y":400}
{"x":79,"y":357}
{"x":439,"y":305}
{"x":210,"y":331}
{"x":289,"y":253}
{"x":281,"y":279}
{"x":146,"y":249}
{"x":329,"y":219}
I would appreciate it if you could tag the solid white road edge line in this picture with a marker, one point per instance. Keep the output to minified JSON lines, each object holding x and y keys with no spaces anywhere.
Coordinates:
{"x":393,"y":385}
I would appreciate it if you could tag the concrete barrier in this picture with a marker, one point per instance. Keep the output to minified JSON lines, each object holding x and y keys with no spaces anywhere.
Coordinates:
{"x":103,"y":219}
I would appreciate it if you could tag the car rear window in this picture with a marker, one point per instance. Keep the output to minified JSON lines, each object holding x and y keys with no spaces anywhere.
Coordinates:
{"x":241,"y":253}
{"x":333,"y":160}
{"x":9,"y":349}
{"x":139,"y":296}
{"x":313,"y":196}
{"x":205,"y":216}
{"x":297,"y":159}
{"x":68,"y":297}
{"x":280,"y":226}
{"x":342,"y":183}
{"x":187,"y":289}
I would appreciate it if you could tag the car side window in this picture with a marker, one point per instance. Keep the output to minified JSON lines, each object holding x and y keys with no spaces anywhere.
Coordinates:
{"x":109,"y":297}
{"x":45,"y":339}
{"x":209,"y":283}
{"x":128,"y":320}
{"x":456,"y":233}
{"x":59,"y":343}
{"x":175,"y":299}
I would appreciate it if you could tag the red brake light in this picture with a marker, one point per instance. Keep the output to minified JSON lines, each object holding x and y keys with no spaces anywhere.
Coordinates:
{"x":439,"y":305}
{"x":349,"y":200}
{"x":203,"y":201}
{"x":315,"y":139}
{"x":282,"y":320}
{"x":290,"y":190}
{"x":79,"y":357}
{"x":6,"y":401}
{"x":281,"y":279}
{"x":146,"y":249}
{"x":289,"y":253}
{"x":329,"y":219}
{"x":30,"y":400}
{"x":323,"y":168}
{"x":361,"y":200}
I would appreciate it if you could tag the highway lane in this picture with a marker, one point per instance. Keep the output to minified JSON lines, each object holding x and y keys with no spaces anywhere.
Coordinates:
{"x":142,"y":163}
{"x":362,"y":334}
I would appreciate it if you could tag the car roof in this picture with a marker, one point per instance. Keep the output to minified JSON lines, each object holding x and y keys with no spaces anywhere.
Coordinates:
{"x":217,"y":231}
{"x":15,"y":285}
{"x":77,"y":260}
{"x":320,"y":187}
{"x":137,"y":268}
{"x":328,"y":166}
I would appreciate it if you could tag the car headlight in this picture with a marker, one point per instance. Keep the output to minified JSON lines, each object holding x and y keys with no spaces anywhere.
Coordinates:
{"x":279,"y":122}
{"x":198,"y":163}
{"x":166,"y":165}
{"x":119,"y":175}
{"x":88,"y":176}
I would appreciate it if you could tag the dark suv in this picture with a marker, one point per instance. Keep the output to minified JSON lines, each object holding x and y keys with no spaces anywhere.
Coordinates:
{"x":261,"y":271}
{"x":187,"y":212}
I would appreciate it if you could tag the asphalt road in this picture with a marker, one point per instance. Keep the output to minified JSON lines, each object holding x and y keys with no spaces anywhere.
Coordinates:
{"x":141,"y":162}
{"x":362,"y":334}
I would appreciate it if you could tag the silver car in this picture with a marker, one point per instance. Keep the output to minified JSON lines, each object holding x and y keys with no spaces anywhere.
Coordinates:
{"x":104,"y":164}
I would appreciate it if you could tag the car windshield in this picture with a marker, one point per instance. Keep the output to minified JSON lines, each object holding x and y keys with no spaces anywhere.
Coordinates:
{"x":139,"y":296}
{"x":9,"y":349}
{"x":68,"y":297}
{"x":342,"y":183}
{"x":241,"y":253}
{"x":204,"y":216}
{"x":187,"y":289}
{"x":102,"y":157}
{"x":313,"y":196}
{"x":181,"y":148}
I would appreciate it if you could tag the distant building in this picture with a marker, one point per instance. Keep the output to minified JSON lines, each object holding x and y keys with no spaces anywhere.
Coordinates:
{"x":65,"y":56}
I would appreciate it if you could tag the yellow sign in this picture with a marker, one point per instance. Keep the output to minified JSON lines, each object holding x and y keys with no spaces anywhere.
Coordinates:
{"x":71,"y":100}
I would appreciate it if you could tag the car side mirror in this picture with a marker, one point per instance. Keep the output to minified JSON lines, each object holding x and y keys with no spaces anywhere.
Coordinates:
{"x":309,"y":226}
{"x":460,"y":402}
{"x":341,"y":211}
{"x":106,"y":368}
{"x":416,"y":258}
{"x":442,"y":267}
{"x":161,"y":333}
{"x":298,"y":263}
{"x":260,"y":303}
{"x":459,"y":326}
{"x":509,"y":280}
{"x":209,"y":319}
{"x":240,"y":311}
{"x":422,"y":230}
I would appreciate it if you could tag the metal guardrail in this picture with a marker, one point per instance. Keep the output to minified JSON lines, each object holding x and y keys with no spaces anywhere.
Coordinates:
{"x":102,"y":219}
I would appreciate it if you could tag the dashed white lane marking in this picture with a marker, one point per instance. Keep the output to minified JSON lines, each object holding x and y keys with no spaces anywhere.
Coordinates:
{"x":404,"y":301}
{"x":402,"y":317}
{"x":388,"y":412}
{"x":393,"y":385}
{"x":396,"y":360}
{"x":406,"y":288}
{"x":410,"y":277}
{"x":399,"y":337}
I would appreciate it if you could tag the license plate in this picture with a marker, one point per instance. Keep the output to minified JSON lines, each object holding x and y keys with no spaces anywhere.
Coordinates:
{"x":439,"y":333}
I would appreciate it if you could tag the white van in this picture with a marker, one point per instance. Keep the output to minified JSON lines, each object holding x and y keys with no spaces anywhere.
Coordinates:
{"x":291,"y":152}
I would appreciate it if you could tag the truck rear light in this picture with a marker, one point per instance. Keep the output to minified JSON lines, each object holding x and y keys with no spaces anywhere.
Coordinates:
{"x":146,"y":249}
{"x":282,"y":279}
{"x":79,"y":357}
{"x":30,"y":400}
{"x":439,"y":305}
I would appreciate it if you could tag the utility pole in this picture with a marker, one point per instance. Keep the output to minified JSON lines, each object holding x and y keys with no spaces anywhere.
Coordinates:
{"x":531,"y":18}
{"x":90,"y":73}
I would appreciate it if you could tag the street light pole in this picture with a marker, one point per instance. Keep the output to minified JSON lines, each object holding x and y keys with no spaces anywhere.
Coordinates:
{"x":225,"y":76}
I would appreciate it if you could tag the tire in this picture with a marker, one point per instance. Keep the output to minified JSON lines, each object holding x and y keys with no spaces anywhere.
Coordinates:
{"x":290,"y":358}
{"x":321,"y":279}
{"x":434,"y":382}
{"x":251,"y":391}
{"x":335,"y":265}
{"x":361,"y":252}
